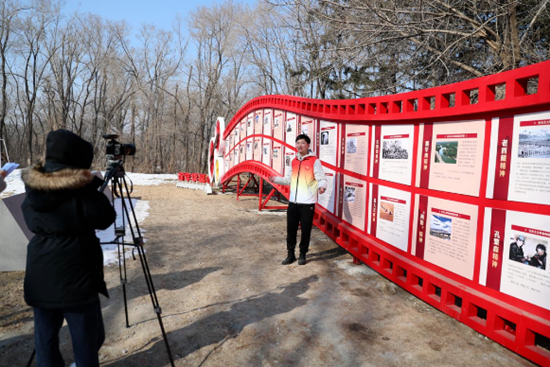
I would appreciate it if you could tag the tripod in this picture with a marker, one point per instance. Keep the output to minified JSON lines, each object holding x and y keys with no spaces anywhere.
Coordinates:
{"x":115,"y":175}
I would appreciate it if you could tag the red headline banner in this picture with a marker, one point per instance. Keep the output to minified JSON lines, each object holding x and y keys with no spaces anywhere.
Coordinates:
{"x":451,"y":214}
{"x":536,"y":232}
{"x":357,"y":134}
{"x":393,"y":200}
{"x":353,"y":184}
{"x":328,"y":128}
{"x":534,"y":123}
{"x":397,"y":136}
{"x":456,"y":136}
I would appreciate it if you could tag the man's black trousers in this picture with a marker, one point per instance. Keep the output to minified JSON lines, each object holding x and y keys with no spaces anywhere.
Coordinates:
{"x":299,"y":214}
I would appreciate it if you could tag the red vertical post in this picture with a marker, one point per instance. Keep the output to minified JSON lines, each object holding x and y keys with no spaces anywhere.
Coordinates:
{"x":238,"y":185}
{"x":260,"y":196}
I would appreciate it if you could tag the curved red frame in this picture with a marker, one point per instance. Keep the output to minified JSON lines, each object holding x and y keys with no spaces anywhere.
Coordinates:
{"x":438,"y":287}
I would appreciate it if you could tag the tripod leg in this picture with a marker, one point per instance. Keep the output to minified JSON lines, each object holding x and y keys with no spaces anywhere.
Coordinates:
{"x":123,"y":281}
{"x":138,"y":243}
{"x":154,"y":299}
{"x":32,"y":357}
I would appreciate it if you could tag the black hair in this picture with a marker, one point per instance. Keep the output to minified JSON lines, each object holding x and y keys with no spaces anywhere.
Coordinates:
{"x":305,"y":137}
{"x":542,"y":247}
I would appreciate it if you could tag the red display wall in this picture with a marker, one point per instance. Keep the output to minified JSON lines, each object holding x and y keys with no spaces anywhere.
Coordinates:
{"x":444,"y":191}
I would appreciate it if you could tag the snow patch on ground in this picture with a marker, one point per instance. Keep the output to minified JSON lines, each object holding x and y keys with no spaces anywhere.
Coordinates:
{"x":15,"y":186}
{"x":267,"y":212}
{"x":350,"y":268}
{"x":110,"y":251}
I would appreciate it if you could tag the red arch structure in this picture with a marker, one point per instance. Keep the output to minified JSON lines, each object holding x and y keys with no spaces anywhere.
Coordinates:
{"x":444,"y":191}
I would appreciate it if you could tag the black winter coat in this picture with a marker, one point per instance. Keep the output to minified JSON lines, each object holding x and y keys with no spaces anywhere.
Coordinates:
{"x":64,"y":258}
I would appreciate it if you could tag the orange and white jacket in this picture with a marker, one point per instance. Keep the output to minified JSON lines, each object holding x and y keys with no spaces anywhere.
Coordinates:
{"x":305,"y":176}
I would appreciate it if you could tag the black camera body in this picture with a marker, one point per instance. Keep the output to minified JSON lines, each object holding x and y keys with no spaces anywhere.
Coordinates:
{"x":116,"y":150}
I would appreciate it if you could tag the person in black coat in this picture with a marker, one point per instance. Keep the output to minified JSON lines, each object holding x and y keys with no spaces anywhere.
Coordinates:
{"x":64,"y":274}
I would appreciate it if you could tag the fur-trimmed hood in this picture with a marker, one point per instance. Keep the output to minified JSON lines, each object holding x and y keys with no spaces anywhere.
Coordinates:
{"x":46,"y":191}
{"x":65,"y":179}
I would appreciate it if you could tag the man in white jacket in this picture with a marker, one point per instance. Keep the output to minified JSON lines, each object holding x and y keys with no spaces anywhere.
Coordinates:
{"x":306,"y":177}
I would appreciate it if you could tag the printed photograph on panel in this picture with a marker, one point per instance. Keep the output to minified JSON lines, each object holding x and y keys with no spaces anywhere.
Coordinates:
{"x":275,"y":153}
{"x":528,"y":251}
{"x":255,"y":145}
{"x":265,"y":150}
{"x":288,"y":159}
{"x":289,"y":126}
{"x":325,"y":138}
{"x":351,"y":146}
{"x":392,"y":149}
{"x":305,"y":130}
{"x":534,"y":143}
{"x":441,"y":227}
{"x":276,"y":122}
{"x":349,"y":194}
{"x":387,"y":211}
{"x":446,"y":152}
{"x":256,"y":119}
{"x":266,"y":120}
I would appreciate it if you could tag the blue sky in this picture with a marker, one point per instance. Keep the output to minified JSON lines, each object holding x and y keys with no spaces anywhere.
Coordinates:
{"x":136,"y":12}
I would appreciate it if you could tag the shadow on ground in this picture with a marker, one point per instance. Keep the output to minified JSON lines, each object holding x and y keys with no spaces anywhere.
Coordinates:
{"x":222,"y":326}
{"x":326,"y":255}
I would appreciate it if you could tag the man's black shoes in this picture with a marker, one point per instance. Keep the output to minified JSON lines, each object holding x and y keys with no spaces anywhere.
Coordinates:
{"x":302,"y":259}
{"x":289,"y":259}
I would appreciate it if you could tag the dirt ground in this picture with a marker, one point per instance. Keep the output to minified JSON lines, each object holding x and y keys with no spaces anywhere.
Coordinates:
{"x":227,"y":300}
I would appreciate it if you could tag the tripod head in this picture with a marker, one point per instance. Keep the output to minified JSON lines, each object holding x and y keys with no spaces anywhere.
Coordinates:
{"x":115,"y":169}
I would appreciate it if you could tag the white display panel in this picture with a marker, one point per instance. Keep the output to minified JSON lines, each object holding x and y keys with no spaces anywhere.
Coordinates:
{"x":257,"y":148}
{"x":446,"y":234}
{"x":249,"y":149}
{"x":328,"y":142}
{"x":268,"y":122}
{"x":266,"y":152}
{"x":242,"y":151}
{"x":354,"y":201}
{"x":242,"y":131}
{"x":250,"y":124}
{"x":291,"y":126}
{"x":290,"y":154}
{"x":328,"y":199}
{"x":258,"y":122}
{"x":516,"y":247}
{"x":308,"y":126}
{"x":452,"y":156}
{"x":277,"y":158}
{"x":356,"y":150}
{"x":278,"y":125}
{"x":392,"y":217}
{"x":392,"y":153}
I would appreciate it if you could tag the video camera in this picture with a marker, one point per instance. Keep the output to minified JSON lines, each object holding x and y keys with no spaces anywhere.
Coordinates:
{"x":116,"y":150}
